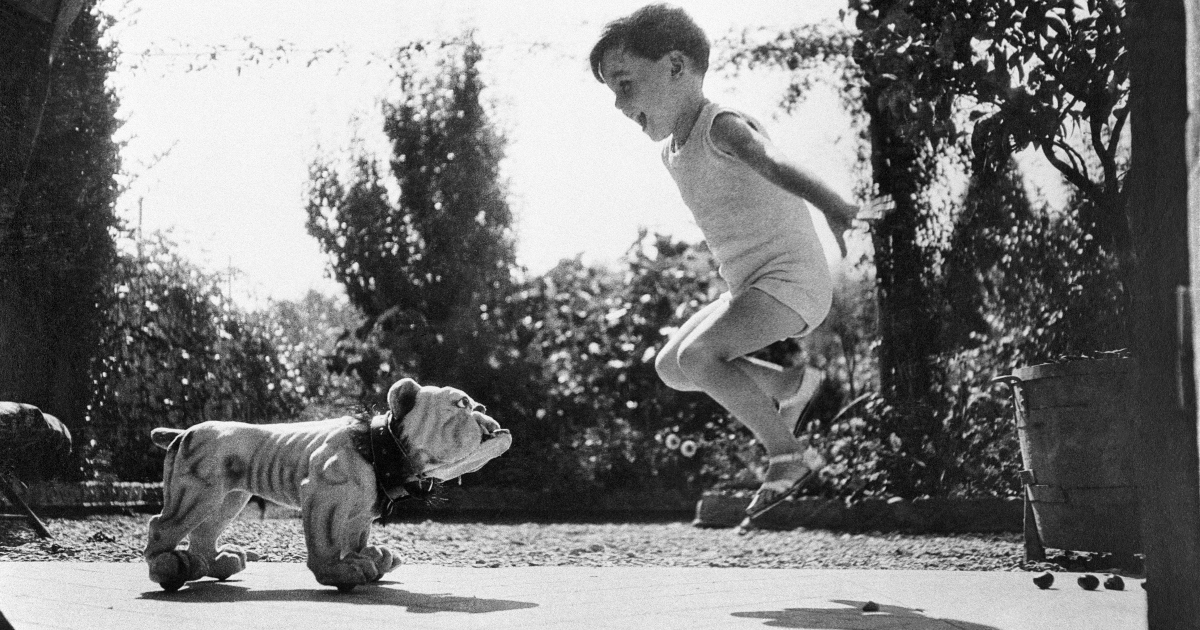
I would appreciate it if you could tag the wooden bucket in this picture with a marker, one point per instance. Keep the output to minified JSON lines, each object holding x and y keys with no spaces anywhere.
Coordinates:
{"x":1075,"y":425}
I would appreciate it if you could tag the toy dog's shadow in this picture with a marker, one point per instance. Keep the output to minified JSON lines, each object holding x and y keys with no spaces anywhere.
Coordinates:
{"x":852,"y":617}
{"x":206,"y":592}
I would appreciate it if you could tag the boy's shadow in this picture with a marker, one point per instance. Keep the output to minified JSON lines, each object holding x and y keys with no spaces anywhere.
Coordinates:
{"x":853,"y":618}
{"x":205,"y":592}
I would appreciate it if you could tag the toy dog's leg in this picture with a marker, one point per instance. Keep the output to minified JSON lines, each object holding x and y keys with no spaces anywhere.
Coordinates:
{"x":170,"y":567}
{"x":337,"y":526}
{"x":227,"y":559}
{"x":185,"y":507}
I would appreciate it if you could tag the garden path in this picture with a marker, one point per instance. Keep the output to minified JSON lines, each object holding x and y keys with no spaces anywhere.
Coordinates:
{"x":104,"y":595}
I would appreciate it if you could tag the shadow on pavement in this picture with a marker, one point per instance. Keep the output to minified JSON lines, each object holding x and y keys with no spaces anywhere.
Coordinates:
{"x":853,"y":618}
{"x":374,"y":594}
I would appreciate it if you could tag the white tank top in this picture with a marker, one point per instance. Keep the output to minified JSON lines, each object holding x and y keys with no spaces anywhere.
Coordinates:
{"x":761,"y":235}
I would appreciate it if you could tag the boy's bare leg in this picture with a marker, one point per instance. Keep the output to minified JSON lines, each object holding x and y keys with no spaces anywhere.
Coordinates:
{"x":752,"y":329}
{"x":779,"y":384}
{"x":667,"y":361}
{"x":708,"y":356}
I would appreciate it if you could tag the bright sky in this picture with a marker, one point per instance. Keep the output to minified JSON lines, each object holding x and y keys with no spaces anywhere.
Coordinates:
{"x":583,"y":178}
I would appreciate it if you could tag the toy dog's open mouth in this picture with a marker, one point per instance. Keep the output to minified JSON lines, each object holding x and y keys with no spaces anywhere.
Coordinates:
{"x":491,"y":447}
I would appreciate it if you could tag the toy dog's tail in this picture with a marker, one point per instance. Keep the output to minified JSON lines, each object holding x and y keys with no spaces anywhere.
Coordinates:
{"x":163,"y":436}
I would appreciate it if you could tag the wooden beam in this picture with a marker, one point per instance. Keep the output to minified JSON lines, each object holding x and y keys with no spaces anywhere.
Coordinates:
{"x":1158,"y":212}
{"x":10,"y":493}
{"x":1192,"y":151}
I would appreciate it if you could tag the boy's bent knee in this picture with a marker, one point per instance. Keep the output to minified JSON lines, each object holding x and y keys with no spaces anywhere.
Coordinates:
{"x":698,"y":359}
{"x":667,"y":366}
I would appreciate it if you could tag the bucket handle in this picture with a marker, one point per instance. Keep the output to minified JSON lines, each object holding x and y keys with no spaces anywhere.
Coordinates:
{"x":1007,"y":379}
{"x":1012,"y":382}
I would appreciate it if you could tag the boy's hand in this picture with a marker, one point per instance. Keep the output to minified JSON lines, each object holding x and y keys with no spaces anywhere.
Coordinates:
{"x":877,"y":208}
{"x":840,"y":222}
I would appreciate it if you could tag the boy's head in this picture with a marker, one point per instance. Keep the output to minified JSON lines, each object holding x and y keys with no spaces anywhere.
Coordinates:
{"x":650,"y":33}
{"x":654,"y":62}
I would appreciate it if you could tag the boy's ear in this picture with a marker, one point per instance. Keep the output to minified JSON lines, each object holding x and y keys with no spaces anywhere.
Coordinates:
{"x":678,"y":63}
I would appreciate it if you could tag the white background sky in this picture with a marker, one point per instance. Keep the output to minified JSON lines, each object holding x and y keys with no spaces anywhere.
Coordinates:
{"x":583,"y":178}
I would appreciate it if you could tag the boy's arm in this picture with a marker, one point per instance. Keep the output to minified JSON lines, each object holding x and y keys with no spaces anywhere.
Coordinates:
{"x":735,"y":136}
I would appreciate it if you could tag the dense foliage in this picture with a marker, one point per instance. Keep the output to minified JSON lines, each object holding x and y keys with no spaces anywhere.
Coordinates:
{"x":56,"y":213}
{"x":176,"y":351}
{"x":587,"y":339}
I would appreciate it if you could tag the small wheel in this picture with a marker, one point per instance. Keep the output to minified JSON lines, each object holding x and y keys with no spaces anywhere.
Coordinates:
{"x":346,"y":588}
{"x":173,"y":585}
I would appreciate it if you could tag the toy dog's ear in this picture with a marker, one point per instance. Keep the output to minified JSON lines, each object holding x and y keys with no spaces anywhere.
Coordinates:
{"x":402,"y":397}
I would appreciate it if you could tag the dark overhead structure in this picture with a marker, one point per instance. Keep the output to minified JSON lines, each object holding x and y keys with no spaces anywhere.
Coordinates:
{"x":33,"y":32}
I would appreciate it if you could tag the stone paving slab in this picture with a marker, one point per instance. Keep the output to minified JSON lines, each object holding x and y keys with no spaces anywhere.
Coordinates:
{"x":102,"y":596}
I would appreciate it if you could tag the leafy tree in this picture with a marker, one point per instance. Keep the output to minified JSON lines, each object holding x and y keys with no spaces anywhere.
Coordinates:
{"x":55,"y":246}
{"x":1037,"y":73}
{"x":423,"y":268}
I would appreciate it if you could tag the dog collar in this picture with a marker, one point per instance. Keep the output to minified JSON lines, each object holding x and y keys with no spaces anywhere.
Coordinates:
{"x":395,"y":472}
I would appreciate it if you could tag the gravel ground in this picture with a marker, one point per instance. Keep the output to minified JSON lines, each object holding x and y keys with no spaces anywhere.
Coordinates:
{"x":525,"y":543}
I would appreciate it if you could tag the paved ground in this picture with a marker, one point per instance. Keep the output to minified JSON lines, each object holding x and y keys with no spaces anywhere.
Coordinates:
{"x":102,"y":596}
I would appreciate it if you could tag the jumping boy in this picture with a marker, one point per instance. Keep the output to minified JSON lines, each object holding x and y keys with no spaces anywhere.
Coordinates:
{"x":748,"y":200}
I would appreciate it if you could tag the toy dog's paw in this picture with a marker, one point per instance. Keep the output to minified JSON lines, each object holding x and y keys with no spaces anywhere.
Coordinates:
{"x":353,"y":569}
{"x":172,"y":569}
{"x":382,"y":557}
{"x":230,"y":559}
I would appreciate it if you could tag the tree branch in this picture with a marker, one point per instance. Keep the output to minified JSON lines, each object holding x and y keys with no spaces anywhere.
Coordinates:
{"x":1107,"y":162}
{"x":1077,"y":179}
{"x":1115,"y":138}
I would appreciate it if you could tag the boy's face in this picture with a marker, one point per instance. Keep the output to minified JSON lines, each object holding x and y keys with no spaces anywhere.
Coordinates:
{"x":643,"y":90}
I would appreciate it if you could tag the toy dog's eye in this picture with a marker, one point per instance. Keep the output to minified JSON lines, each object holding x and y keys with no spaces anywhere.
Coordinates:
{"x":463,"y":403}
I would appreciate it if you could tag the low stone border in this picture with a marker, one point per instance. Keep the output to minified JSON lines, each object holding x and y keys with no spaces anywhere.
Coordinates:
{"x":717,"y":509}
{"x":57,"y":496}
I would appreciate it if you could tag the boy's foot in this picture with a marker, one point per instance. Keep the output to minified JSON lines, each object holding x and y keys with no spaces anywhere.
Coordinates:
{"x":794,"y":409}
{"x":787,"y":474}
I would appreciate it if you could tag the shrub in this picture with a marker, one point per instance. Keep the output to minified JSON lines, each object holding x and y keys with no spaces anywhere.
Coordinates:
{"x":578,"y":375}
{"x":176,"y":351}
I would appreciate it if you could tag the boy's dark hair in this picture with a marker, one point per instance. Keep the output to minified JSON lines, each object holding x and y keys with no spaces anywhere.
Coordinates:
{"x":651,"y":32}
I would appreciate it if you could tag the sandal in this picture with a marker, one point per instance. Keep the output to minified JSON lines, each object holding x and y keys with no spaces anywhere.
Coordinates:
{"x":803,"y":399}
{"x":772,"y":493}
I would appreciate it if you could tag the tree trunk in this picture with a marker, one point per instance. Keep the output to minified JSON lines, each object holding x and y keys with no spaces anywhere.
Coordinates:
{"x":907,"y":331}
{"x":1169,"y":475}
